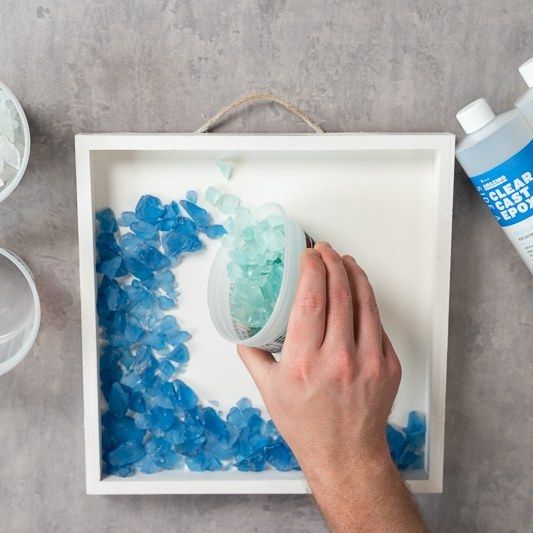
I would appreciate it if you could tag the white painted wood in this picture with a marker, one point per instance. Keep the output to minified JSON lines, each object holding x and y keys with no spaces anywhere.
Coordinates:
{"x":396,"y":221}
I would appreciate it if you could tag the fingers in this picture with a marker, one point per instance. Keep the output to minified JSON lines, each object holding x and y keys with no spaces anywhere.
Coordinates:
{"x":258,"y":362}
{"x":367,"y":323}
{"x":391,"y":359}
{"x":339,"y":316}
{"x":307,"y":321}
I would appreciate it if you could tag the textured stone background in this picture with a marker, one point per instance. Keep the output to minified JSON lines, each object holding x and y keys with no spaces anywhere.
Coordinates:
{"x":156,"y":66}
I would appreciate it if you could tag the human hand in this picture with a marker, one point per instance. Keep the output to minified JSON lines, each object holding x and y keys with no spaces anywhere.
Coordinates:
{"x":333,"y":389}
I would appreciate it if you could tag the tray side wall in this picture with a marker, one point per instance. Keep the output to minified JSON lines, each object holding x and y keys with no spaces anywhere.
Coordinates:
{"x":443,"y":146}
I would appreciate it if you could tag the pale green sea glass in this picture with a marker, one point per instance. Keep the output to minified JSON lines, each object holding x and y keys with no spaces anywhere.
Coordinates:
{"x":256,"y":249}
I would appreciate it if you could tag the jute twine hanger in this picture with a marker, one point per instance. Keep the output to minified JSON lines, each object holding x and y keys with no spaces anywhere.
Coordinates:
{"x":262,"y":97}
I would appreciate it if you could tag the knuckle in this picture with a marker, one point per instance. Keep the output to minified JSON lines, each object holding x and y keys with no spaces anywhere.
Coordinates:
{"x":341,"y":295}
{"x":342,"y":365}
{"x":372,"y":371}
{"x":312,"y":263}
{"x":300,"y":366}
{"x":310,"y":301}
{"x":370,"y":306}
{"x":358,"y":270}
{"x":396,"y":368}
{"x":330,"y":255}
{"x":344,"y":368}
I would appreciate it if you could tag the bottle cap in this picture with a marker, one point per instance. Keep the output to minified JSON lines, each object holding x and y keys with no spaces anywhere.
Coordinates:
{"x":475,"y":115}
{"x":526,"y":71}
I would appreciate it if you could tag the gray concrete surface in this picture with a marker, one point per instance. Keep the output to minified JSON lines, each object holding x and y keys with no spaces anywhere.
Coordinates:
{"x":156,"y":66}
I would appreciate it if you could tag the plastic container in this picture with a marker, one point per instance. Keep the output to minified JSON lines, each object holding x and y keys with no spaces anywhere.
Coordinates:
{"x":525,"y":102}
{"x":497,"y":155}
{"x":12,"y":182}
{"x":219,"y":287}
{"x":20,"y":311}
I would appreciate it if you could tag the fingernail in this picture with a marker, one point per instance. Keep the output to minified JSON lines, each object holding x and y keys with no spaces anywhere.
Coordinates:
{"x":323,"y":243}
{"x":349,"y":258}
{"x":311,"y":252}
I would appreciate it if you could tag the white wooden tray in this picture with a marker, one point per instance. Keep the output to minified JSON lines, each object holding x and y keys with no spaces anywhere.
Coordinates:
{"x":384,"y":198}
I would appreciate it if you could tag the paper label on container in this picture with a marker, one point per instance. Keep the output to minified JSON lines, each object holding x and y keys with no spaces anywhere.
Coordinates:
{"x":508,"y":188}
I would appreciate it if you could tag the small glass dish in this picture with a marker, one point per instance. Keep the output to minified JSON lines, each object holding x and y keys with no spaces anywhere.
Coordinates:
{"x":20,"y":311}
{"x":22,"y":140}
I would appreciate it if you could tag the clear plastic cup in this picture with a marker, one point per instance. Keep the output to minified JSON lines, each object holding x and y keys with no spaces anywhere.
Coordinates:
{"x":20,"y":311}
{"x":12,"y":182}
{"x":219,"y":287}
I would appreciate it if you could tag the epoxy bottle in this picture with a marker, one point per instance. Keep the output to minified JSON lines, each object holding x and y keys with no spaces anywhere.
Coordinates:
{"x":524,"y":104}
{"x":497,"y":155}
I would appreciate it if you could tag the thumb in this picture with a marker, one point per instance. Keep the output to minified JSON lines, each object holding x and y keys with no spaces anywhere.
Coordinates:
{"x":258,"y":362}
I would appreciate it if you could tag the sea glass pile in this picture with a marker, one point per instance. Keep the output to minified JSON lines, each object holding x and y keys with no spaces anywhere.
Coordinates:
{"x":11,"y":140}
{"x":154,"y":421}
{"x":256,"y":248}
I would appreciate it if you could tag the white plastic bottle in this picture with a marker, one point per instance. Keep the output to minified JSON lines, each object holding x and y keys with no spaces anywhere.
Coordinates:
{"x":497,"y":155}
{"x":525,"y":102}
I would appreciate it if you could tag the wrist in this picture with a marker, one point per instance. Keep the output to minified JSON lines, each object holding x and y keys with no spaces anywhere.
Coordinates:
{"x":355,"y":468}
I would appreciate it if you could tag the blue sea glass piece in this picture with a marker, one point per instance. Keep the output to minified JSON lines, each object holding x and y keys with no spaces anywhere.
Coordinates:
{"x":176,"y":336}
{"x":164,"y":280}
{"x":113,"y":295}
{"x":122,"y":471}
{"x":214,"y":424}
{"x":407,"y":458}
{"x":127,"y":218}
{"x":107,"y":246}
{"x":166,"y":369}
{"x":122,"y":428}
{"x":186,"y":396}
{"x":177,"y":433}
{"x":108,"y":442}
{"x":145,"y":230}
{"x":185,"y":225}
{"x":136,"y":402}
{"x":175,"y":243}
{"x":199,"y":215}
{"x":108,"y":377}
{"x":137,"y":269}
{"x":279,"y":455}
{"x":171,"y":213}
{"x":149,"y":209}
{"x":143,"y":359}
{"x":165,"y":303}
{"x":244,"y":403}
{"x":415,"y":430}
{"x":135,"y":248}
{"x":107,"y":220}
{"x":396,"y":441}
{"x":112,"y":268}
{"x":133,"y":331}
{"x":148,"y":465}
{"x":126,"y":454}
{"x":215,"y":231}
{"x":236,"y":418}
{"x":157,"y":418}
{"x":162,"y":453}
{"x":180,"y":354}
{"x":131,"y":380}
{"x":109,"y":357}
{"x":117,"y":399}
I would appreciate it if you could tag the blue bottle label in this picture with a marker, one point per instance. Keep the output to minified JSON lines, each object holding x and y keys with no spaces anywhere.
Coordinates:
{"x":508,"y":188}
